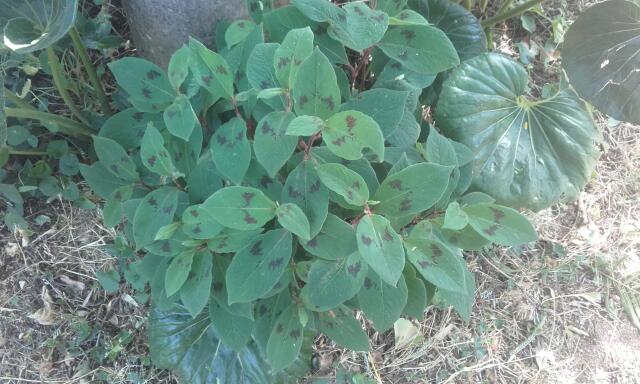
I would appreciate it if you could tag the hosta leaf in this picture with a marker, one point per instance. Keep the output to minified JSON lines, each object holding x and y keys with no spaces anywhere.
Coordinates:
{"x":385,"y":106}
{"x":272,"y":146}
{"x":501,"y":225}
{"x":296,"y":47}
{"x":304,"y":188}
{"x":330,"y":283}
{"x":305,"y":126}
{"x":179,"y":67}
{"x":601,"y":57}
{"x":347,"y":133}
{"x":154,"y":212}
{"x":180,"y":118}
{"x":30,"y":25}
{"x":381,"y":247}
{"x":459,"y":24}
{"x":154,"y":154}
{"x":358,"y":26}
{"x":115,"y":158}
{"x":436,"y":262}
{"x":315,"y":88}
{"x":381,"y":302}
{"x":421,"y":48}
{"x":285,"y":340}
{"x":527,"y":153}
{"x":234,"y":331}
{"x":291,"y":217}
{"x":148,"y":87}
{"x":178,"y":271}
{"x":340,"y":325}
{"x":191,"y":348}
{"x":231,"y":150}
{"x":231,"y":240}
{"x":210,"y":70}
{"x":345,"y":182}
{"x":412,"y":190}
{"x":198,"y":224}
{"x":256,"y":268}
{"x":238,"y":31}
{"x":127,"y":127}
{"x":240,"y":207}
{"x":336,"y":240}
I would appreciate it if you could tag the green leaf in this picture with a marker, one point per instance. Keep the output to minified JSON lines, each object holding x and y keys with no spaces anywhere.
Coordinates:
{"x":381,"y":247}
{"x":101,"y":180}
{"x":272,"y":146}
{"x":192,"y":349}
{"x":455,"y":218}
{"x":179,"y":67}
{"x":501,"y":225}
{"x":347,"y":133}
{"x":459,"y":24}
{"x":527,"y":153}
{"x":210,"y":70}
{"x":220,"y":293}
{"x":391,"y":7}
{"x":440,"y":150}
{"x":198,"y":223}
{"x":203,"y":180}
{"x":318,"y":10}
{"x":155,"y":155}
{"x":436,"y":262}
{"x":461,"y":302}
{"x":195,"y":291}
{"x":315,"y":88}
{"x":178,"y":271}
{"x":256,"y":268}
{"x":109,"y":280}
{"x":261,"y":72}
{"x":285,"y":340}
{"x":154,"y":212}
{"x":30,"y":25}
{"x":148,"y":87}
{"x":231,"y":240}
{"x":296,"y":47}
{"x":408,"y":17}
{"x":416,"y":294}
{"x":304,"y":188}
{"x":340,"y":325}
{"x":112,"y":210}
{"x":413,"y":190}
{"x":385,"y":106}
{"x":330,"y":283}
{"x":358,"y":26}
{"x":240,"y":208}
{"x":414,"y":46}
{"x":115,"y":159}
{"x":336,"y":240}
{"x":305,"y":126}
{"x":381,"y":302}
{"x":600,"y":57}
{"x":128,"y":127}
{"x":257,"y":177}
{"x":345,"y":182}
{"x":293,"y":219}
{"x":180,"y":118}
{"x":231,"y":150}
{"x":185,"y":154}
{"x":237,"y":32}
{"x":234,"y":331}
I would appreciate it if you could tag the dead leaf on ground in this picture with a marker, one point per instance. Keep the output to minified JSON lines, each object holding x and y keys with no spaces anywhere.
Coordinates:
{"x":45,"y":315}
{"x":76,"y":286}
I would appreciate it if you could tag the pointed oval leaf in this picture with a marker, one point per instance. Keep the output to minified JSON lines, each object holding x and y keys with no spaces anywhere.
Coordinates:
{"x":238,"y":31}
{"x":293,"y":219}
{"x":501,"y":225}
{"x":347,"y":133}
{"x":272,"y":146}
{"x":381,"y":247}
{"x":336,"y":240}
{"x":196,"y":290}
{"x":295,"y":48}
{"x":198,"y":223}
{"x":180,"y":118}
{"x":178,"y":271}
{"x":154,"y":212}
{"x":179,"y":67}
{"x":231,"y":240}
{"x":115,"y":158}
{"x":315,"y":89}
{"x":240,"y":208}
{"x":128,"y":127}
{"x":234,"y":331}
{"x":383,"y":105}
{"x":231,"y":150}
{"x":148,"y":87}
{"x":358,"y":26}
{"x":600,"y":56}
{"x":304,"y":188}
{"x":527,"y":153}
{"x":345,"y":182}
{"x":257,"y":268}
{"x":381,"y":302}
{"x":210,"y":70}
{"x":155,"y":155}
{"x":305,"y":126}
{"x":285,"y":340}
{"x":340,"y":325}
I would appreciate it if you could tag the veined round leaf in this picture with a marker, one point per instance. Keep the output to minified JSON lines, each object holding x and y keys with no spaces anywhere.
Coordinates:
{"x":601,"y":56}
{"x":461,"y":26}
{"x":191,"y":348}
{"x":30,"y":25}
{"x":527,"y":153}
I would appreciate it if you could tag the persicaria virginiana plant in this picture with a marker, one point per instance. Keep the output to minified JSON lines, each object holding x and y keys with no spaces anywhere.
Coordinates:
{"x":331,"y":159}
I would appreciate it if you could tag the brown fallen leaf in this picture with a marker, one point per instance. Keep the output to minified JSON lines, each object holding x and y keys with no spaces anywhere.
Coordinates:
{"x":76,"y":286}
{"x":45,"y":315}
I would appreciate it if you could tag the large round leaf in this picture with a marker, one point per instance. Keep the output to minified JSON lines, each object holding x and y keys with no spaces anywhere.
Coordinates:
{"x":527,"y":153}
{"x":461,"y":26}
{"x":30,"y":25}
{"x":191,"y":349}
{"x":601,"y":56}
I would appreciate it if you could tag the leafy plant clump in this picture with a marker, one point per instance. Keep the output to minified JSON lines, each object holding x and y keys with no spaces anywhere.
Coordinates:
{"x":265,"y":192}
